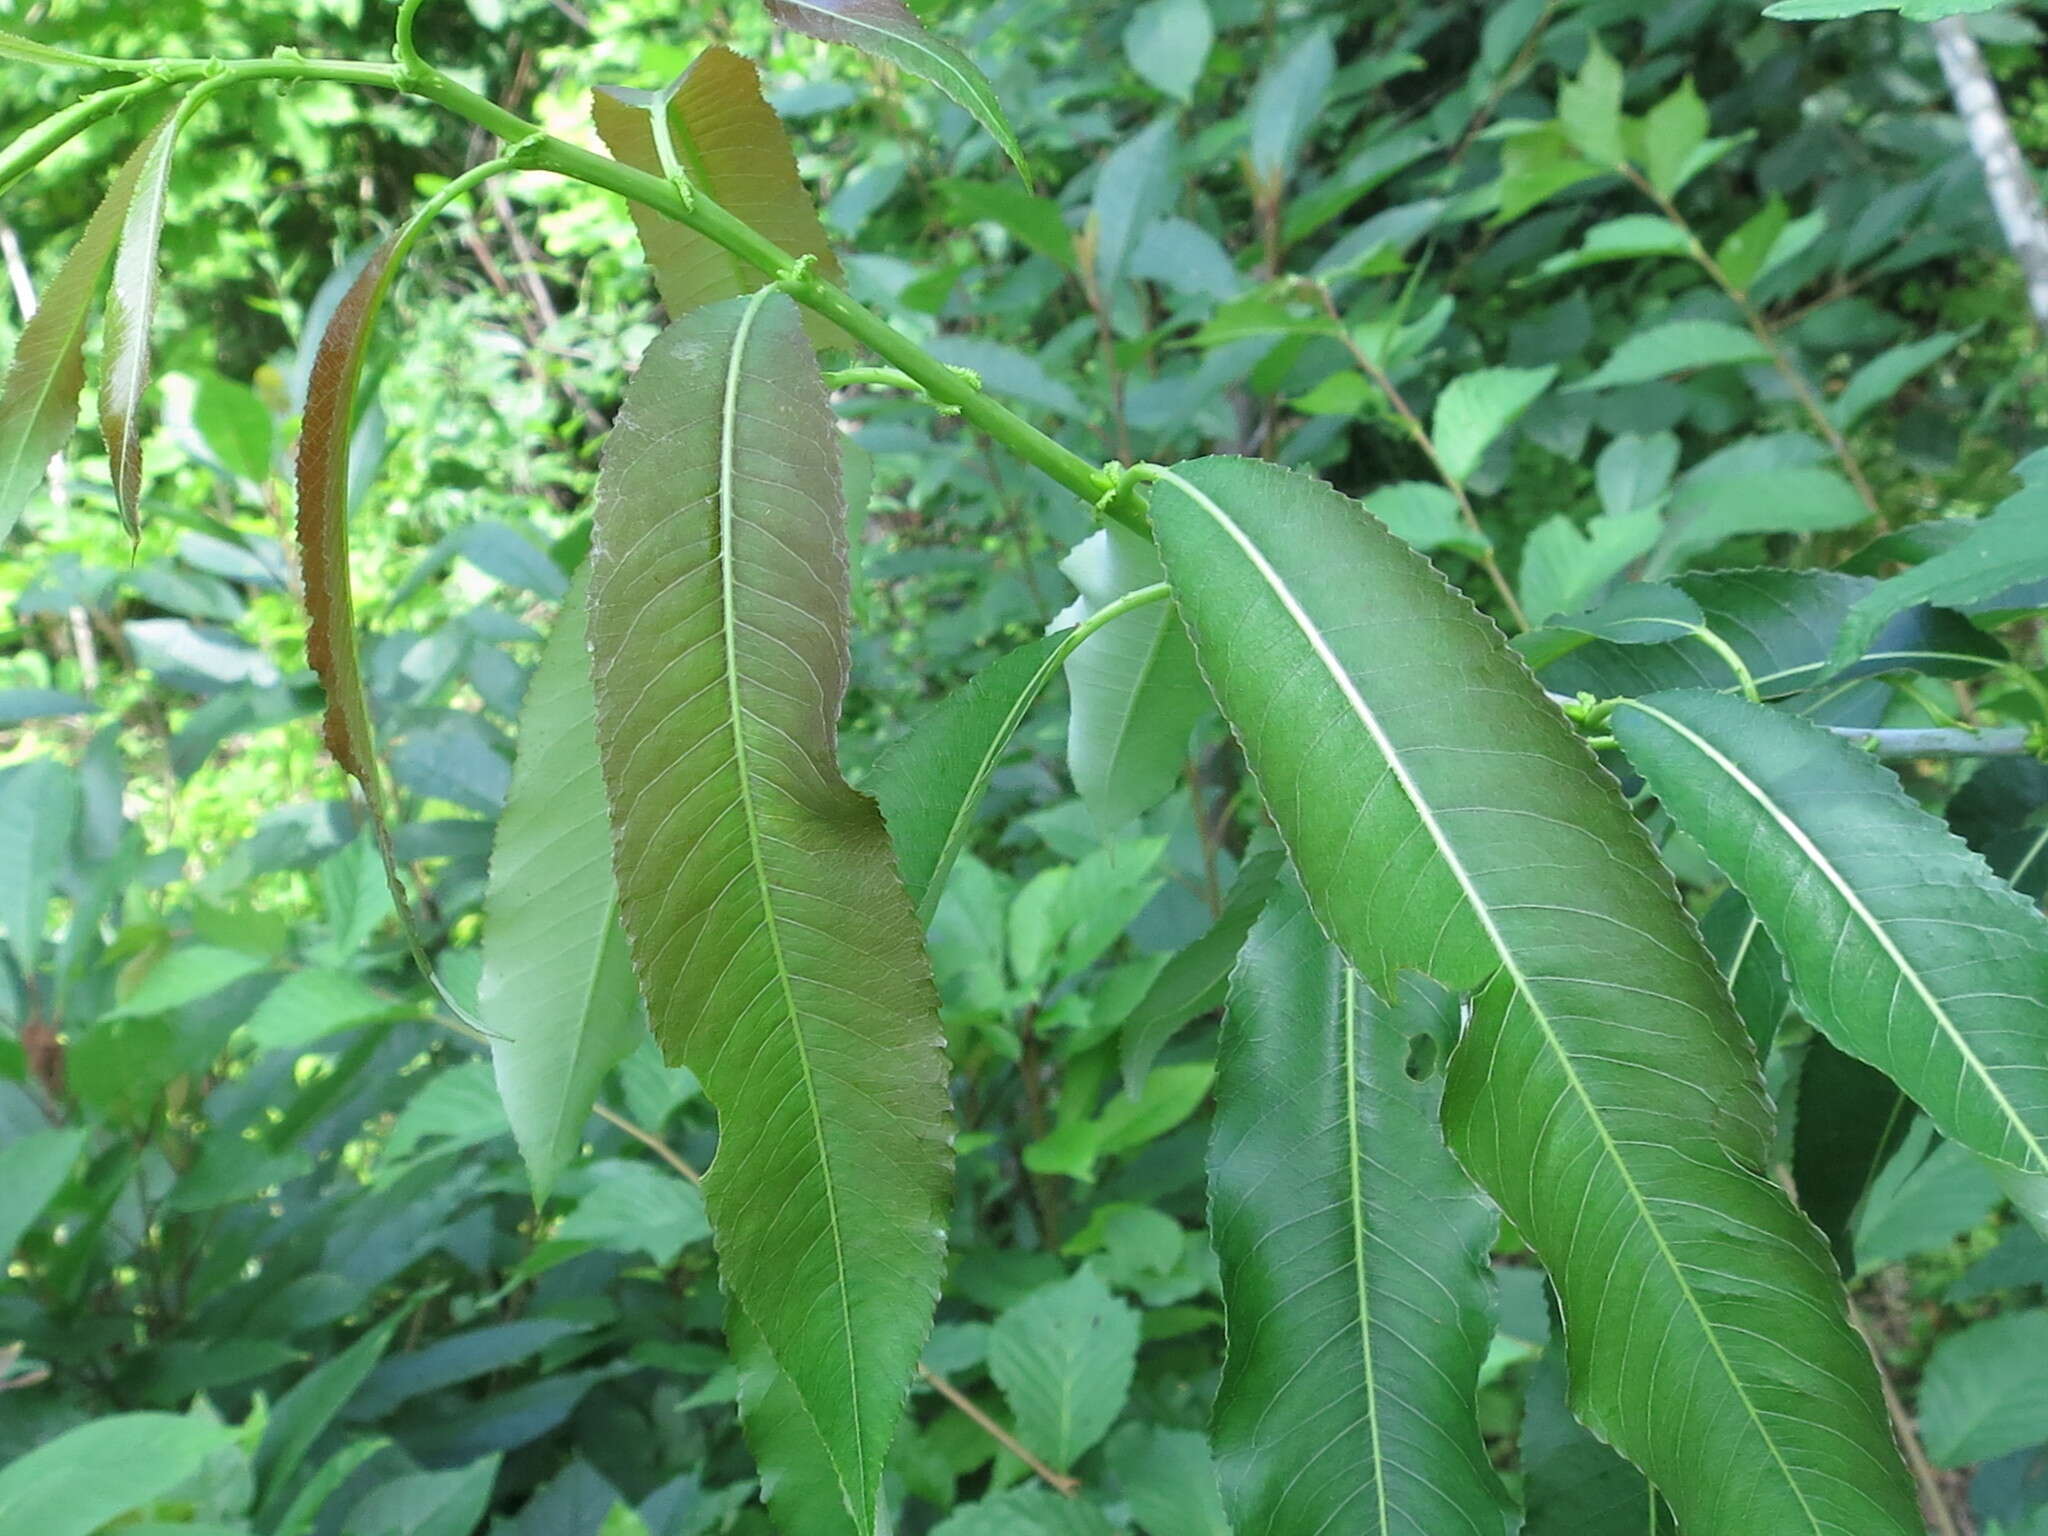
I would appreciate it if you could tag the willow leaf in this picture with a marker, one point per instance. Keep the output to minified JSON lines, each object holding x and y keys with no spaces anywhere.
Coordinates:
{"x":731,"y":146}
{"x":775,"y":946}
{"x":131,"y":308}
{"x":1136,"y":694}
{"x":39,"y":400}
{"x":1356,"y":1293}
{"x":929,"y":783}
{"x":557,"y":994}
{"x":888,"y":30}
{"x":1445,"y":819}
{"x":1901,"y":945}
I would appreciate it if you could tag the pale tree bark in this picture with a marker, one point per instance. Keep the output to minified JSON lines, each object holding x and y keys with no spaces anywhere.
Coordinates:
{"x":2014,"y":196}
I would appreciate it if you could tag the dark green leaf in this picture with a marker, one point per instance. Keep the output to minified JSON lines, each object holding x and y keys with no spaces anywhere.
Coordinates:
{"x":1901,"y":944}
{"x":1356,"y":1295}
{"x":775,"y":947}
{"x":1446,"y":819}
{"x":1850,"y":1120}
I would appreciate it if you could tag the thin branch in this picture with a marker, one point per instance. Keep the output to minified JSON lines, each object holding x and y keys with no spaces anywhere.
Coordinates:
{"x":2014,"y":197}
{"x":648,"y":1139}
{"x":1066,"y":1486}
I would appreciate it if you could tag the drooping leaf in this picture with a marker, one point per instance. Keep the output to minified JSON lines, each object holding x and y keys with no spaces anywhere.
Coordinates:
{"x":1900,"y":943}
{"x":131,"y":309}
{"x":557,"y":996}
{"x":732,"y":147}
{"x":929,"y":783}
{"x":888,"y":30}
{"x":39,"y":399}
{"x":1475,"y":408}
{"x":2006,"y":549}
{"x":1924,"y":1196}
{"x":296,"y":1422}
{"x":1063,"y":1357}
{"x":786,"y":1440}
{"x":98,"y":1471}
{"x":322,"y":475}
{"x":1136,"y":694}
{"x":1194,"y":980}
{"x":1356,"y":1294}
{"x":774,"y":944}
{"x":1445,"y":819}
{"x":1850,"y":1120}
{"x":1781,"y":624}
{"x":1676,"y":346}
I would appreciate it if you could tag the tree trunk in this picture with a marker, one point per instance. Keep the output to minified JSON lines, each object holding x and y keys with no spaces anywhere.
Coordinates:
{"x":2014,"y":196}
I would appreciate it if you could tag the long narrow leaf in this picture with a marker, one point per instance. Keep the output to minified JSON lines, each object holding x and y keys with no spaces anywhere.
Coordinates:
{"x":887,"y":29}
{"x":1356,"y":1297}
{"x":1445,"y":819}
{"x":774,"y":943}
{"x":1901,"y":944}
{"x":39,"y":401}
{"x":729,"y":144}
{"x":131,"y":309}
{"x":557,"y":995}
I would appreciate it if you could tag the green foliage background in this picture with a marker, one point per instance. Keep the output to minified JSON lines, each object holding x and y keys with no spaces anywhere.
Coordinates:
{"x":248,"y":1177}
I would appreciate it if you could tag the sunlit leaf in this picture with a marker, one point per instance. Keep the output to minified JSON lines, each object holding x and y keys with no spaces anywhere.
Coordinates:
{"x":775,"y":946}
{"x":131,"y":309}
{"x":888,"y":30}
{"x":39,"y":399}
{"x":1603,"y":1092}
{"x":732,"y":147}
{"x":1064,"y":1358}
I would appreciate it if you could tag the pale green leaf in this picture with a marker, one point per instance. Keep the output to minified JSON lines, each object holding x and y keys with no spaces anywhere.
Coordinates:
{"x":1168,"y":1480}
{"x":1984,"y":1393}
{"x":95,"y":1473}
{"x":1628,"y":238}
{"x":1900,"y":943}
{"x":1167,"y":43}
{"x":1564,"y":566}
{"x":557,"y":996}
{"x":1589,"y":107}
{"x":1136,"y":694}
{"x":1708,"y":511}
{"x":1475,"y":408}
{"x":1285,"y":105}
{"x":1063,"y":1358}
{"x":1633,"y":473}
{"x":1673,"y":131}
{"x":1677,"y":346}
{"x":32,"y":1170}
{"x":1446,"y":819}
{"x":1356,"y":1298}
{"x":775,"y":946}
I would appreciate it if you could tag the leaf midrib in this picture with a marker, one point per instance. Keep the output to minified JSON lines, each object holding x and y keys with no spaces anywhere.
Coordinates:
{"x":1483,"y":913}
{"x":1863,"y":914}
{"x":728,"y":427}
{"x":1357,"y":1183}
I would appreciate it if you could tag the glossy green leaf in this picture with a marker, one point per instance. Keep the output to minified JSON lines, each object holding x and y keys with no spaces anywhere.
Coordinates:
{"x":557,"y":996}
{"x":1901,"y":944}
{"x":774,"y":944}
{"x":1984,"y":1393}
{"x":1603,"y":1092}
{"x":887,"y":30}
{"x":96,"y":1472}
{"x":1676,"y":346}
{"x":1136,"y":694}
{"x":1063,"y":1357}
{"x":39,"y":398}
{"x":131,"y":309}
{"x":1356,"y":1296}
{"x":729,"y":143}
{"x":1475,"y":408}
{"x":2005,"y":549}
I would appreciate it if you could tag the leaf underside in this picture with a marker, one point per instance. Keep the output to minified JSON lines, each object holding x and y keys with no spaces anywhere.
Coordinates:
{"x":1356,"y":1295}
{"x":732,"y":147}
{"x":774,"y":943}
{"x":131,"y":307}
{"x":1603,"y":1092}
